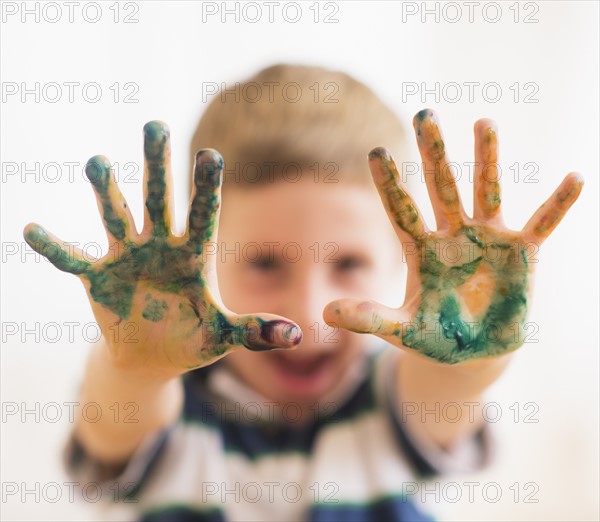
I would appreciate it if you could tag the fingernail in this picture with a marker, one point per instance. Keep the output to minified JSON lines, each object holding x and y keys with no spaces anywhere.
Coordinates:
{"x":97,"y":171}
{"x":35,"y":236}
{"x":422,"y":114}
{"x":156,"y":135}
{"x":277,"y":334}
{"x":379,"y":153}
{"x":154,"y":130}
{"x":209,"y":164}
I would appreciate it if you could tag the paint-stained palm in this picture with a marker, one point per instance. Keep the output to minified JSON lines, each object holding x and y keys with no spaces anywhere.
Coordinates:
{"x":154,"y":294}
{"x":469,"y":282}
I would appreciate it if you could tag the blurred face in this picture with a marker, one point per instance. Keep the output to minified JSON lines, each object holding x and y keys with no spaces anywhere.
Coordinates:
{"x":302,"y":245}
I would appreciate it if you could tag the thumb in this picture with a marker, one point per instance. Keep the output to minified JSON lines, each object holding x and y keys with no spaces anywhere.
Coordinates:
{"x":261,"y":332}
{"x":360,"y":316}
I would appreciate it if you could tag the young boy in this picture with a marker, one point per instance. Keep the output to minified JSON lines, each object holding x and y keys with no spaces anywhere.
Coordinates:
{"x":332,"y":426}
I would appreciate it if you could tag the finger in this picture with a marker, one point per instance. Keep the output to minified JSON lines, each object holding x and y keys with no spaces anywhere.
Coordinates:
{"x":360,"y":316}
{"x":439,"y":178}
{"x":486,"y":186}
{"x":400,"y":207}
{"x":158,"y":177}
{"x":549,"y":215}
{"x":206,"y":197}
{"x":264,"y":332}
{"x":64,"y":257}
{"x":111,"y":203}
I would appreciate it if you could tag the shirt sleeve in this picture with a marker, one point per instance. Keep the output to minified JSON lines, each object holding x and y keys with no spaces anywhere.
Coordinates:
{"x":428,"y":459}
{"x":115,"y":481}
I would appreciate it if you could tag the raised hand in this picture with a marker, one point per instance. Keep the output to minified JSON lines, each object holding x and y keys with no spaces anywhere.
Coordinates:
{"x":469,"y":281}
{"x":150,"y":293}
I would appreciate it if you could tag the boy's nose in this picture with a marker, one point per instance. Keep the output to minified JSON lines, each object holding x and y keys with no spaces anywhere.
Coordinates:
{"x":305,"y":306}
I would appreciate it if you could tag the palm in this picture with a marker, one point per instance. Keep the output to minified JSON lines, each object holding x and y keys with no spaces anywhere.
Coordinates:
{"x":469,"y":281}
{"x":159,"y":284}
{"x":473,"y":297}
{"x":150,"y":293}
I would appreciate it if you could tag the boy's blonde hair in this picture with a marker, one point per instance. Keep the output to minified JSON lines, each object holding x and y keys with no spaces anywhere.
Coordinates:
{"x":291,"y":118}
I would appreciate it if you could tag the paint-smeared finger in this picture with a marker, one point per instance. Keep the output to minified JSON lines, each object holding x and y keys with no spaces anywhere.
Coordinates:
{"x":158,"y":179}
{"x":111,"y":203}
{"x":362,"y":316}
{"x":400,"y":207}
{"x":268,"y":332}
{"x":486,"y":186}
{"x":206,"y":197}
{"x":439,"y":178}
{"x":550,"y":214}
{"x":63,"y":256}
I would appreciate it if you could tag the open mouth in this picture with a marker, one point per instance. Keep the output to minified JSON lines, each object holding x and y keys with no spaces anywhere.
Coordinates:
{"x":302,"y":375}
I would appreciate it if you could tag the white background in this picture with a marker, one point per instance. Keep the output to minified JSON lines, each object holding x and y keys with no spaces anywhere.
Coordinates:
{"x":169,"y":53}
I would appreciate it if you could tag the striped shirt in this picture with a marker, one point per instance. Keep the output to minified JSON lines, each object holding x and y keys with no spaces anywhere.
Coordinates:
{"x":231,"y":457}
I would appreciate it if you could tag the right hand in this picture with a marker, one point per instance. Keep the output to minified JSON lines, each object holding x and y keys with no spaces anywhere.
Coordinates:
{"x":151,"y":294}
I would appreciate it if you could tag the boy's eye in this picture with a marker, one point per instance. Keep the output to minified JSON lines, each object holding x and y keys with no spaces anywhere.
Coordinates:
{"x":348,"y":263}
{"x":265,"y":264}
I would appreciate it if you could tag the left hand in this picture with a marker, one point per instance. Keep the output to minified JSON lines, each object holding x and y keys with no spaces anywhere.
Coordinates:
{"x":469,"y":281}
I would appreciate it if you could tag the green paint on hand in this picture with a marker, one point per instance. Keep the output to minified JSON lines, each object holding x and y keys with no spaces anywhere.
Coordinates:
{"x":97,"y":171}
{"x":161,"y":265}
{"x":155,"y":310}
{"x":441,"y":329}
{"x":156,"y":138}
{"x":204,"y":207}
{"x":422,"y":114}
{"x":166,"y":268}
{"x":38,"y":239}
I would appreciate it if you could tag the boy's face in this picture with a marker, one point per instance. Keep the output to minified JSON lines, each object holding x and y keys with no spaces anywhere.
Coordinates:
{"x":294,"y":247}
